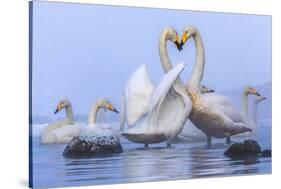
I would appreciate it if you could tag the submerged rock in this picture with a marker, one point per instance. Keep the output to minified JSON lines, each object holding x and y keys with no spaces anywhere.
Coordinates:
{"x":92,"y":146}
{"x":248,"y":147}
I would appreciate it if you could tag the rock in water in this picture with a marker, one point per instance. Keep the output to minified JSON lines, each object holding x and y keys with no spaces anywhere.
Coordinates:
{"x":248,"y":147}
{"x":92,"y":146}
{"x":266,"y":153}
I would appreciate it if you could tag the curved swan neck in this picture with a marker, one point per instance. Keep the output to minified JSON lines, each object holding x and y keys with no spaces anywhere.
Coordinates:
{"x":93,"y":114}
{"x":198,"y":70}
{"x":163,"y":52}
{"x":69,"y":112}
{"x":245,"y":112}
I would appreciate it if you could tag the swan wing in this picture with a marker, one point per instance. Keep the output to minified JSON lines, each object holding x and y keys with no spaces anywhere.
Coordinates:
{"x":169,"y":98}
{"x":68,"y":130}
{"x":62,"y":134}
{"x":137,"y":94}
{"x":169,"y":107}
{"x":224,"y":105}
{"x":165,"y":86}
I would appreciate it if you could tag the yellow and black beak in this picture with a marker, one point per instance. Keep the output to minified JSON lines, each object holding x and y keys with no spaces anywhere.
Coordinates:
{"x":178,"y":43}
{"x":184,"y":38}
{"x":110,"y":107}
{"x":258,"y":94}
{"x":58,"y":109}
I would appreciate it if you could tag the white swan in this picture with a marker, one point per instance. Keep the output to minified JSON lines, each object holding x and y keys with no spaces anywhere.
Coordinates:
{"x":205,"y":115}
{"x":96,"y":138}
{"x":191,"y":133}
{"x":257,"y":100}
{"x":64,"y":130}
{"x":156,"y":115}
{"x":168,"y":108}
{"x":224,"y":104}
{"x":100,"y":129}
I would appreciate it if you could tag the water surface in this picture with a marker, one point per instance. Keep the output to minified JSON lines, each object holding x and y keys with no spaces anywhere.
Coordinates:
{"x":136,"y":164}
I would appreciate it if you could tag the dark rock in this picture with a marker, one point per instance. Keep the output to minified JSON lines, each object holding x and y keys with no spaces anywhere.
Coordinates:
{"x":266,"y":153}
{"x":92,"y":146}
{"x":248,"y":147}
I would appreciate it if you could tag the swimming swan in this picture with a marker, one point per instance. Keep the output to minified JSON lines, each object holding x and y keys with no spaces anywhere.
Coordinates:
{"x":205,"y":115}
{"x":96,"y":138}
{"x":64,"y":130}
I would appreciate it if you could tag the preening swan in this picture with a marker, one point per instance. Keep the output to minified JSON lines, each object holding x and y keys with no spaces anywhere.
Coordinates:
{"x":154,"y":115}
{"x":64,"y":130}
{"x":95,"y":138}
{"x":205,"y":115}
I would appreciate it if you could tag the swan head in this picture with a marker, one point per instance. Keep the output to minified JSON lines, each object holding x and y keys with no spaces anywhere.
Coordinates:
{"x":187,"y":33}
{"x":251,"y":90}
{"x":106,"y":105}
{"x":171,"y":34}
{"x":62,"y":104}
{"x":204,"y":89}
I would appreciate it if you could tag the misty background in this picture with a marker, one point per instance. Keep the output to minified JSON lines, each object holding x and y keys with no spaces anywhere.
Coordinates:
{"x":82,"y":52}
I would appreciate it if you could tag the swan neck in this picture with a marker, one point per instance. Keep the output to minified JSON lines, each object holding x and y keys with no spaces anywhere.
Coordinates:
{"x":163,"y":52}
{"x":245,"y":112}
{"x":69,"y":113}
{"x":93,"y":114}
{"x":255,"y":107}
{"x":198,"y":70}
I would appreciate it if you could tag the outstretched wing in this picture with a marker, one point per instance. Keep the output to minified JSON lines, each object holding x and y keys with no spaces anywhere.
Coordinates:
{"x":165,"y":85}
{"x":167,"y":106}
{"x":137,"y":95}
{"x":169,"y":99}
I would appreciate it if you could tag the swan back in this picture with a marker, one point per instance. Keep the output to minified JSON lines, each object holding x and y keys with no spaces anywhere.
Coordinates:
{"x":137,"y":95}
{"x":223,"y":104}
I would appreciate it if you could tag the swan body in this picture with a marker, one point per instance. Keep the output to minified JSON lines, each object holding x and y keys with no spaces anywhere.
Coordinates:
{"x":100,"y":129}
{"x":64,"y":130}
{"x":214,"y":119}
{"x":190,"y":132}
{"x":95,"y":138}
{"x":167,"y":110}
{"x":223,"y":103}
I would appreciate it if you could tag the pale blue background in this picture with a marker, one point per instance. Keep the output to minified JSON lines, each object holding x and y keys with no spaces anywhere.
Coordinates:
{"x":83,"y":51}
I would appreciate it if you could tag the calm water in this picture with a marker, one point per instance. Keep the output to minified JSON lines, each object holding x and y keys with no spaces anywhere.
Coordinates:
{"x":135,"y":164}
